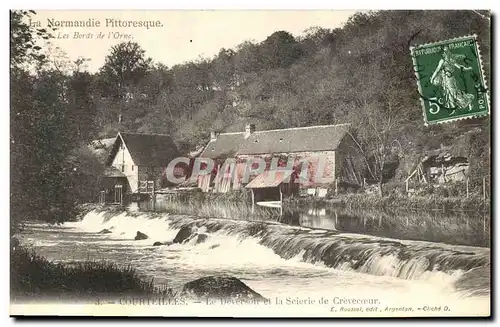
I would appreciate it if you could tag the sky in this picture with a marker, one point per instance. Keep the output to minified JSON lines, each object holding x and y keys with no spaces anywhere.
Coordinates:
{"x":181,"y":35}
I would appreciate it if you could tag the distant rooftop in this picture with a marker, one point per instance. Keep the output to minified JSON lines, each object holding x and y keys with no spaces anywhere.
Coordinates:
{"x":224,"y":146}
{"x":287,"y":140}
{"x":153,"y":150}
{"x":299,"y":139}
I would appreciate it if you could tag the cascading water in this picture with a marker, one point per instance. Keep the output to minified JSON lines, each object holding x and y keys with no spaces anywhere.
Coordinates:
{"x":371,"y":255}
{"x":274,"y":259}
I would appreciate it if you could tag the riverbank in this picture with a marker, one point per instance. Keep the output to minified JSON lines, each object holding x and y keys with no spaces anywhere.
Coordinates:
{"x":397,"y":202}
{"x":34,"y":277}
{"x":448,"y":220}
{"x":238,"y":204}
{"x":456,"y":227}
{"x":231,"y":205}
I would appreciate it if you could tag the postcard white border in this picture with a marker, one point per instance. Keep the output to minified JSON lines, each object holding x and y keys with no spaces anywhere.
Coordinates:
{"x":197,"y":4}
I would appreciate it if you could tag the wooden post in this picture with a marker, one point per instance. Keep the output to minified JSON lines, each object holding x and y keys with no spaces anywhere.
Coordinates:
{"x":253,"y":201}
{"x":484,"y":188}
{"x":484,"y":223}
{"x":118,"y":194}
{"x":467,"y":185}
{"x":336,"y":186}
{"x":281,"y":201}
{"x":153,"y":196}
{"x":217,"y":180}
{"x":364,"y":182}
{"x":422,"y":172}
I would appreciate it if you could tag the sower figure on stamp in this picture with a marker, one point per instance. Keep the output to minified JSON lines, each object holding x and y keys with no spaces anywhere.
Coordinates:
{"x":445,"y":77}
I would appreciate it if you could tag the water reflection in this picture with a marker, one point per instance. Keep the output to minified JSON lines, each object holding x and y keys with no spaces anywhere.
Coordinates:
{"x":461,"y":228}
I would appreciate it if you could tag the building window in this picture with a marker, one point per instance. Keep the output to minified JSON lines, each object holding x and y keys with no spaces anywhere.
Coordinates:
{"x":123,"y":168}
{"x":132,"y":167}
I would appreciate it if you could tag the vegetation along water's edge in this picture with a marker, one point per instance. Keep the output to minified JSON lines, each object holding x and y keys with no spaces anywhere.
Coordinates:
{"x":33,"y":276}
{"x":399,"y":202}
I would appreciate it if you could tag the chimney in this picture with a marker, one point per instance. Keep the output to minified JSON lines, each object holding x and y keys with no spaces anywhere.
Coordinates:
{"x":213,"y":135}
{"x":249,"y":129}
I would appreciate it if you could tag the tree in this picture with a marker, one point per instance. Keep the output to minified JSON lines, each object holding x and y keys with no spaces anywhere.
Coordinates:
{"x":247,"y":58}
{"x":279,"y":50}
{"x":314,"y":39}
{"x":23,"y":36}
{"x":377,"y":137}
{"x":223,"y":70}
{"x":41,"y":138}
{"x":52,"y":114}
{"x":82,"y":109}
{"x":123,"y":68}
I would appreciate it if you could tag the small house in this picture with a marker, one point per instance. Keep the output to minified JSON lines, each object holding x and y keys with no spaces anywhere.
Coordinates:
{"x":136,"y":164}
{"x":439,"y":166}
{"x":331,"y":143}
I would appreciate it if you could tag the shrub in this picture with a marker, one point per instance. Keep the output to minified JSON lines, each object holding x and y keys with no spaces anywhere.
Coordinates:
{"x":231,"y":205}
{"x":394,"y":188}
{"x":442,"y":192}
{"x":33,"y":275}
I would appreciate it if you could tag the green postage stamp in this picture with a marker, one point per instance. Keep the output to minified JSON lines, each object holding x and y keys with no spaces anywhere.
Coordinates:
{"x":450,"y":80}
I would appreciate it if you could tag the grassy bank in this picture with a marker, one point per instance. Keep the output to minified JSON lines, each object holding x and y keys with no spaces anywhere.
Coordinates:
{"x":34,"y":277}
{"x":457,"y":227}
{"x":452,"y":220}
{"x":399,"y":202}
{"x":238,"y":204}
{"x":233,"y":205}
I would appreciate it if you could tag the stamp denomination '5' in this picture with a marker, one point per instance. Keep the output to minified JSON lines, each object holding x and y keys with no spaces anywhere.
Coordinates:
{"x":450,"y":80}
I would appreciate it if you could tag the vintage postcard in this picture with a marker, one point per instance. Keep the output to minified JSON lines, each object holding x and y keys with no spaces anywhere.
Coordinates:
{"x":250,"y":163}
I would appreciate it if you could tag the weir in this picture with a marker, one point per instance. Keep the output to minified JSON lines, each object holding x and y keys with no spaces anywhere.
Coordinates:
{"x":352,"y":252}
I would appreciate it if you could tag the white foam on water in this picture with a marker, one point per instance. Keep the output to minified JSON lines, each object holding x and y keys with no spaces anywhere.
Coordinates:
{"x":36,"y":242}
{"x":221,"y":250}
{"x":265,"y":271}
{"x":124,"y":226}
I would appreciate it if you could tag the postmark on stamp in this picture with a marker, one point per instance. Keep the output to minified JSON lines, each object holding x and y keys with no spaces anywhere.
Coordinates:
{"x":450,"y":80}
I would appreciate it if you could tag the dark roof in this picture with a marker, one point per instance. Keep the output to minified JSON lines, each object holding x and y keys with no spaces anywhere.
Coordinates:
{"x":226,"y":145}
{"x":113,"y":172}
{"x":313,"y":138}
{"x":154,"y":150}
{"x":440,"y":157}
{"x":102,"y":148}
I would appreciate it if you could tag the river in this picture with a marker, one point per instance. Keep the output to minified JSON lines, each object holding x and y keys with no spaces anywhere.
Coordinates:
{"x":277,"y":260}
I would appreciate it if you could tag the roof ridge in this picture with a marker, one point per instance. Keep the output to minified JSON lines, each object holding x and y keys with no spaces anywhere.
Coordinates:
{"x":148,"y":134}
{"x":231,"y":133}
{"x":304,"y":127}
